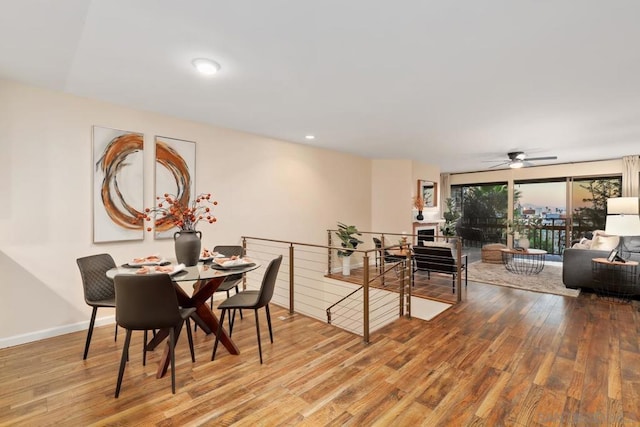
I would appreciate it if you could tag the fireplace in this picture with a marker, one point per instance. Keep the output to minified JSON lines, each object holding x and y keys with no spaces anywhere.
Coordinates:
{"x":426,"y":231}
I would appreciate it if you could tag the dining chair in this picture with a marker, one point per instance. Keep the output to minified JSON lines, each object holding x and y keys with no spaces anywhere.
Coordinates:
{"x":251,"y":300}
{"x":146,"y":303}
{"x":98,"y":288}
{"x":230,"y":282}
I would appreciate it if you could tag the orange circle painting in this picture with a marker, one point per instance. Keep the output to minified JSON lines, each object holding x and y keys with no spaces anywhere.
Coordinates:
{"x":118,"y":183}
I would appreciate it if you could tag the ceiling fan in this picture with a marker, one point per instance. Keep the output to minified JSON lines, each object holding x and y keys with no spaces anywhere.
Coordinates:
{"x":518,"y":159}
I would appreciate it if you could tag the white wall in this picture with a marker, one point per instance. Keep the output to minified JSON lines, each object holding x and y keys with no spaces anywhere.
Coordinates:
{"x":265,"y":187}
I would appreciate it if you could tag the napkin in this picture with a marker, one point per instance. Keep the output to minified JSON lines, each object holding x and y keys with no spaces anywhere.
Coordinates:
{"x":232,"y":262}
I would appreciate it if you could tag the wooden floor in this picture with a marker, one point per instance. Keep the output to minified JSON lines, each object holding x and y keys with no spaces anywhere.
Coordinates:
{"x":504,"y":357}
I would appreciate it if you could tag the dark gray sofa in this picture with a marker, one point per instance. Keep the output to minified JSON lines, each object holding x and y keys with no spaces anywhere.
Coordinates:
{"x":576,"y":267}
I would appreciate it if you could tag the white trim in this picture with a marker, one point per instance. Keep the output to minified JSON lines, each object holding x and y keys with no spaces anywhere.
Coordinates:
{"x":53,"y":332}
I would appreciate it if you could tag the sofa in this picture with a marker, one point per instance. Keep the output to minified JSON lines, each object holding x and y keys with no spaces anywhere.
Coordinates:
{"x":577,"y":269}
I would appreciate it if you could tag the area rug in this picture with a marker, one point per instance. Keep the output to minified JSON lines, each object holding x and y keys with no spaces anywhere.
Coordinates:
{"x":549,"y":280}
{"x":426,"y":309}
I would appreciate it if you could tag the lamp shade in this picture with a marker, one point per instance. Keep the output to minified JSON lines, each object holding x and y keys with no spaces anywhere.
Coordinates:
{"x":623,"y":225}
{"x":623,"y":205}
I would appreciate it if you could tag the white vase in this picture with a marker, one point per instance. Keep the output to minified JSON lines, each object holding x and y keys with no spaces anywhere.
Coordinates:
{"x":346,"y":266}
{"x":523,"y":243}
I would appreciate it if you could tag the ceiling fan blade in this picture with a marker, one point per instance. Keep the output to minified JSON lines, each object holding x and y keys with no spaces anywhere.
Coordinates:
{"x":529,"y":159}
{"x":498,"y":165}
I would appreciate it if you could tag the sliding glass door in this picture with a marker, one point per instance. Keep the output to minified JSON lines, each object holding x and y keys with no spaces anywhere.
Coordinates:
{"x":589,"y":202}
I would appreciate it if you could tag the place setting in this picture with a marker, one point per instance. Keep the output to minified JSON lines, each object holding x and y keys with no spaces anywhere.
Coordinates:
{"x":153,"y":264}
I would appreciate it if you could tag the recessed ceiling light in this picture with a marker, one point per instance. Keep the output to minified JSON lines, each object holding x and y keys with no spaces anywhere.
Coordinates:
{"x":310,"y":137}
{"x":206,"y":66}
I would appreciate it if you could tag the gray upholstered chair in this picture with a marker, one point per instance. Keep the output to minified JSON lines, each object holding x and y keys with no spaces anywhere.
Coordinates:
{"x":251,"y":300}
{"x":230,"y":282}
{"x":98,"y":288}
{"x":146,"y":303}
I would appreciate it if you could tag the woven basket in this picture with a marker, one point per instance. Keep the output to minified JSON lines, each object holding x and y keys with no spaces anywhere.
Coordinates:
{"x":491,"y":253}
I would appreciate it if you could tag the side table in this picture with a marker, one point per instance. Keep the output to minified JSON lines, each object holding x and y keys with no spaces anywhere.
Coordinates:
{"x":616,"y":280}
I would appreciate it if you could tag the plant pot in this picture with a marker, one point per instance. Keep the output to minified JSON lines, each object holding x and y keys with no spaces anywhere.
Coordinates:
{"x":346,"y":266}
{"x":187,"y":246}
{"x":523,"y":243}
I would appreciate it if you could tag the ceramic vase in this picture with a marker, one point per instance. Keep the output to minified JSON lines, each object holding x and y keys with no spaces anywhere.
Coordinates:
{"x":523,"y":243}
{"x":420,"y":217}
{"x":346,"y":266}
{"x":187,"y":246}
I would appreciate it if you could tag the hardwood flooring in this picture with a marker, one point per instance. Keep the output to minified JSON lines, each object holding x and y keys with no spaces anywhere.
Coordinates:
{"x":503,"y":357}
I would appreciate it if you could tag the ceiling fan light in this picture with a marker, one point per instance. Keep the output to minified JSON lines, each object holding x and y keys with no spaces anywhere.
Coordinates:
{"x":516,"y":164}
{"x":206,"y":66}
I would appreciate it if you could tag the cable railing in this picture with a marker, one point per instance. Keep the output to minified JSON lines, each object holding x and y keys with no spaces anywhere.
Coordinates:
{"x":377,"y":291}
{"x":307,"y":286}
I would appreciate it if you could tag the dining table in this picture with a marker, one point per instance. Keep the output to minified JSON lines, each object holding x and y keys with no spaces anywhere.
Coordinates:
{"x":208,"y":276}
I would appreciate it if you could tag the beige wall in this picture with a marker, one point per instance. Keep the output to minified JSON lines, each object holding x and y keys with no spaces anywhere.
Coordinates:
{"x":265,"y":188}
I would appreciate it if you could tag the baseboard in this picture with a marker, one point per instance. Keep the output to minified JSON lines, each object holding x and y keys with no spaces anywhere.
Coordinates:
{"x":53,"y":332}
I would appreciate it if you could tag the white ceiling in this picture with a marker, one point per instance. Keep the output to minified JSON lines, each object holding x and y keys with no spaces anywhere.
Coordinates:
{"x":447,"y":82}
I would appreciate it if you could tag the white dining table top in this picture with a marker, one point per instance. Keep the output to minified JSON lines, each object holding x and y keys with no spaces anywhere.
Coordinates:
{"x":201,"y":271}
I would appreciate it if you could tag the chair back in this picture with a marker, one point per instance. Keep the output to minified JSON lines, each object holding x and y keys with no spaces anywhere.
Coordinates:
{"x":146,"y":302}
{"x":377,"y":242}
{"x":229,"y":250}
{"x":434,"y":258}
{"x":95,"y":283}
{"x":269,"y":282}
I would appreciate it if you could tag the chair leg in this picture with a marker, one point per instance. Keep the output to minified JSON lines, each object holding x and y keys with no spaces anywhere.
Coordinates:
{"x":115,"y":335}
{"x":90,"y":332}
{"x":215,"y":344}
{"x":144,"y":349}
{"x":172,"y":353}
{"x":190,"y":338}
{"x":123,"y":360}
{"x":237,"y":291}
{"x":232,"y":318}
{"x":258,"y":333}
{"x":269,"y":322}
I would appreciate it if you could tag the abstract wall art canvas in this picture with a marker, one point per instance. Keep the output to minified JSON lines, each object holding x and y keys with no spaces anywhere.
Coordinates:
{"x":118,"y":191}
{"x":175,"y":169}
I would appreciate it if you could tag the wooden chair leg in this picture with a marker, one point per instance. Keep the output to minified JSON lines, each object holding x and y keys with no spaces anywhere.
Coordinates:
{"x":90,"y":332}
{"x":215,"y":345}
{"x":258,"y":333}
{"x":115,"y":334}
{"x":123,"y":361}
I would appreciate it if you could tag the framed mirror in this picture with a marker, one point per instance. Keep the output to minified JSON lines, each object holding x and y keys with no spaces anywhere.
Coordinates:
{"x":429,"y":192}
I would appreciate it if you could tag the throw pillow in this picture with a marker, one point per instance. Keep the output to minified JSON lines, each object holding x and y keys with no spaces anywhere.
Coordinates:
{"x":604,"y":243}
{"x":582,"y":244}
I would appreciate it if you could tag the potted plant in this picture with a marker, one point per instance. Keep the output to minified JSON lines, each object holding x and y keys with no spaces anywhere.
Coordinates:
{"x":346,"y":234}
{"x":521,"y":226}
{"x":451,"y":217}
